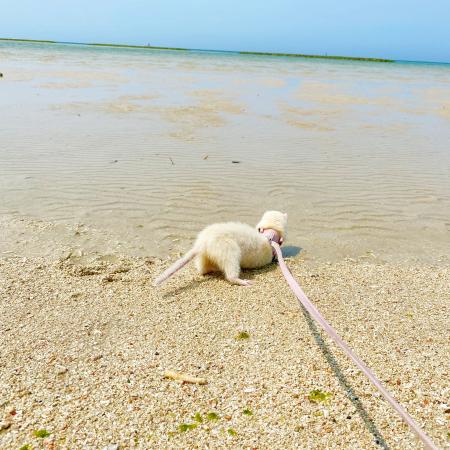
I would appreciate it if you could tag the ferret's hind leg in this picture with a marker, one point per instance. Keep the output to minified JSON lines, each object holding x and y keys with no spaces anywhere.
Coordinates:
{"x":204,"y":265}
{"x":228,"y":258}
{"x":240,"y":281}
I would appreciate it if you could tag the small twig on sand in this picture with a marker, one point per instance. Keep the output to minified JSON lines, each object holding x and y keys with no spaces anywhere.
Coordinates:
{"x":171,"y":160}
{"x":183,"y":377}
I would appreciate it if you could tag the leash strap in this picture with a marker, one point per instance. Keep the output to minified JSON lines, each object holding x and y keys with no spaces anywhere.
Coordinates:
{"x":272,"y":236}
{"x":314,"y":312}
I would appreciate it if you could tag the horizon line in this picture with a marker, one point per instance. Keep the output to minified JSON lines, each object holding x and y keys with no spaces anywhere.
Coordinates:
{"x":238,"y":52}
{"x":241,"y":52}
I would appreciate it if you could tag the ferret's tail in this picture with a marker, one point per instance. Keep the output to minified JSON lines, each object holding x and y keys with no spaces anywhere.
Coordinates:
{"x":189,"y":256}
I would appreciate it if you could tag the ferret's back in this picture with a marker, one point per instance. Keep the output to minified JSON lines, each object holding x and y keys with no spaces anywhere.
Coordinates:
{"x":233,"y":230}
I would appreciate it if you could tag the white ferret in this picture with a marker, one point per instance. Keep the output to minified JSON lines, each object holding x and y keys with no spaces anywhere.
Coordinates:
{"x":228,"y":247}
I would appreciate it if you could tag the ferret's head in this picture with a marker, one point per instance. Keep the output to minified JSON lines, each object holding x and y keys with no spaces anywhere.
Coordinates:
{"x":275,"y":220}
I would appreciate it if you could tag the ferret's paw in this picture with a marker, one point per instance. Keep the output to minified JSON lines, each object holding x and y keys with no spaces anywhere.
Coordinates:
{"x":242,"y":282}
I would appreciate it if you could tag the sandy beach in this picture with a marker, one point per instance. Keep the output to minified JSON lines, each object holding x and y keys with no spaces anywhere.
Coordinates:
{"x":87,"y":339}
{"x":113,"y":159}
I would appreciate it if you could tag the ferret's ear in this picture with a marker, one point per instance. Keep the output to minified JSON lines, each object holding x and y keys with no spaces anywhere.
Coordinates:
{"x":260,"y":230}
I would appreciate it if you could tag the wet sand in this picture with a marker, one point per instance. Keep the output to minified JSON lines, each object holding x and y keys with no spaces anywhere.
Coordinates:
{"x":142,"y":142}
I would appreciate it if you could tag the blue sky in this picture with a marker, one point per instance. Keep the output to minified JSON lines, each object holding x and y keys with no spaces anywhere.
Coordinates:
{"x":398,"y":29}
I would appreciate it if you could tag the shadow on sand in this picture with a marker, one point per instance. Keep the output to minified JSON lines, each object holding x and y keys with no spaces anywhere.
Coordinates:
{"x":343,"y":382}
{"x":290,"y":251}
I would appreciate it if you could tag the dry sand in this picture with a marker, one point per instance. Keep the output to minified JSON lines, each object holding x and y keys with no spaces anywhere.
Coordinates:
{"x":86,"y":341}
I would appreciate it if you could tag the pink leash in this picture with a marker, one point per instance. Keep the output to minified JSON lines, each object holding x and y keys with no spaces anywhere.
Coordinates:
{"x":314,"y":312}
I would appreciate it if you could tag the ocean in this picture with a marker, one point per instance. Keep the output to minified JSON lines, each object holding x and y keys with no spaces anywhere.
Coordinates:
{"x":153,"y":145}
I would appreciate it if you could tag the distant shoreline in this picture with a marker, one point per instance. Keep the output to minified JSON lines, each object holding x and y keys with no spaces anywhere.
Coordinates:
{"x":151,"y":47}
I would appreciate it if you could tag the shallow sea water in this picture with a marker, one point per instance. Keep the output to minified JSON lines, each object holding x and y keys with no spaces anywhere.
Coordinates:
{"x":154,"y":145}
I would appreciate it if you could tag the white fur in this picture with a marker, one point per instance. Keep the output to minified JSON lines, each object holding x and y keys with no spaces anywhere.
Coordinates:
{"x":228,"y":247}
